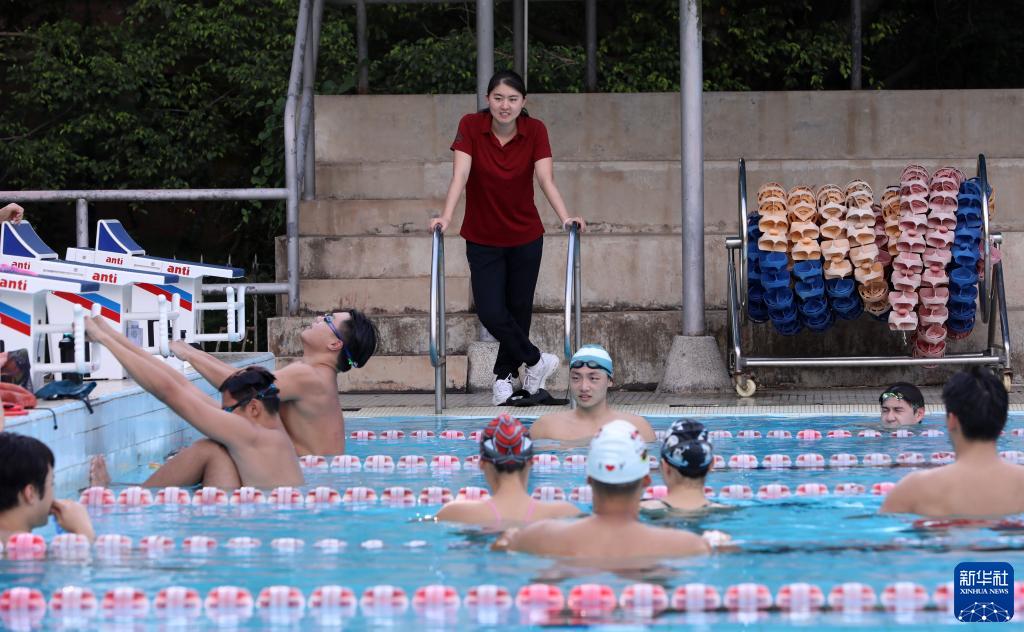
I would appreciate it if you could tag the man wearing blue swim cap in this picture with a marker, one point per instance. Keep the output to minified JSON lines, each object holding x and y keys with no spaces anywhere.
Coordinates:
{"x":590,"y":376}
{"x":617,"y":471}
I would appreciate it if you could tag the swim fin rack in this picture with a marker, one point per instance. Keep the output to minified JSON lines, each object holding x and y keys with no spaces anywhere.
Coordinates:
{"x":992,"y":310}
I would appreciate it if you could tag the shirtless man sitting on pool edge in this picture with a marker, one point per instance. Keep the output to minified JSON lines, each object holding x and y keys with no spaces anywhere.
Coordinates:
{"x":334,"y":343}
{"x":590,"y":375}
{"x":247,"y":442}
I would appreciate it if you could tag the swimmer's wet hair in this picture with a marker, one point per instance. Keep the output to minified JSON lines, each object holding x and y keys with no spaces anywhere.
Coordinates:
{"x":615,"y":489}
{"x":253,"y":382}
{"x":24,"y":461}
{"x":359,"y":340}
{"x":979,"y":400}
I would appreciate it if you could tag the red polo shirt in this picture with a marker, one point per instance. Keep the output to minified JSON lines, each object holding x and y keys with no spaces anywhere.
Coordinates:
{"x":499,"y":193}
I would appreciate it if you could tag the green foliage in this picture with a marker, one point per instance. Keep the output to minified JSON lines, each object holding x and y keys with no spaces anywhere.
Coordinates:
{"x":174,"y":94}
{"x":190,"y":93}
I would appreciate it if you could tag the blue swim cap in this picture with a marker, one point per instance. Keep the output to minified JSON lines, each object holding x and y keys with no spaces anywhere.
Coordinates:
{"x":594,"y":356}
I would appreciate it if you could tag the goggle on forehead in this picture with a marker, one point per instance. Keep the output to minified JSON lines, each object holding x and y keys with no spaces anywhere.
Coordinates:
{"x":900,"y":396}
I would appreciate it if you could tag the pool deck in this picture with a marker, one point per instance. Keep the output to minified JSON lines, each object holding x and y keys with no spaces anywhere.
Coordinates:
{"x":834,"y":401}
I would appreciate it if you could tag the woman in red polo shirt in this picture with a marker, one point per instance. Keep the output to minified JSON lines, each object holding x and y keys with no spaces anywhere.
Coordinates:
{"x":497,"y":152}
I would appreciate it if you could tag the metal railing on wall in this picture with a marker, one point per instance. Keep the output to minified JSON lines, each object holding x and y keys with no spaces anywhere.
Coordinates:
{"x":438,"y":327}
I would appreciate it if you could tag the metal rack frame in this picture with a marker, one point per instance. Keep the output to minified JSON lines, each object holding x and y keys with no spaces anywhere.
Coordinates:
{"x":992,"y":311}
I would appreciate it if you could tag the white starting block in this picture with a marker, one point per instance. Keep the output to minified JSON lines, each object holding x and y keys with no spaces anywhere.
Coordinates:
{"x":24,"y":322}
{"x":21,"y":248}
{"x":114,"y":246}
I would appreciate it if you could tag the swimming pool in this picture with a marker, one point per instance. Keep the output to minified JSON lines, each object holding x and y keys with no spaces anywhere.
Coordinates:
{"x":820,"y":540}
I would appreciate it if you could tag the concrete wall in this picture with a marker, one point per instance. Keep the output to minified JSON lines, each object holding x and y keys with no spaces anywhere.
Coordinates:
{"x":383,"y":166}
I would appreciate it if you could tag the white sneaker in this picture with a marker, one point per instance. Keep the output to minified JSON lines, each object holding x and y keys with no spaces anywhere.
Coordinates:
{"x":538,"y":374}
{"x":502,"y":390}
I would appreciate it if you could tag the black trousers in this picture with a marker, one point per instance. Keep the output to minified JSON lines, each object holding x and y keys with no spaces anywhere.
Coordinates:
{"x":504,"y":280}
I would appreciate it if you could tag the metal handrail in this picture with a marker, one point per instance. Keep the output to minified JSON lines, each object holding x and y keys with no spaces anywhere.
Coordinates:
{"x":743,"y":237}
{"x":573,"y":292}
{"x":984,"y":284}
{"x":291,"y":159}
{"x":1004,"y":317}
{"x":438,"y":328}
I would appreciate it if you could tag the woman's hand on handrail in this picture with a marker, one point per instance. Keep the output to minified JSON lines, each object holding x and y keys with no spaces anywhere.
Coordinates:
{"x":439,"y":222}
{"x":578,"y":220}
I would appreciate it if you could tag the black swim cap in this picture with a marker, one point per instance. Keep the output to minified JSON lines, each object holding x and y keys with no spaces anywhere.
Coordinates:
{"x":686,"y":448}
{"x":904,"y":391}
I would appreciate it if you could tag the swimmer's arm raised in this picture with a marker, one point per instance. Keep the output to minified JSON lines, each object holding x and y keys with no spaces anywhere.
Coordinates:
{"x":149,"y":372}
{"x":170,"y":387}
{"x":208,"y":366}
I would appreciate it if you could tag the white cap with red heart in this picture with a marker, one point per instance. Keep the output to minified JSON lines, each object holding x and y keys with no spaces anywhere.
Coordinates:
{"x":618,"y":454}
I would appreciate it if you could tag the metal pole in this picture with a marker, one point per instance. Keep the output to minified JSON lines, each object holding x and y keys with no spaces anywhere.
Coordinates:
{"x":291,"y":157}
{"x":518,"y":42}
{"x":484,"y":49}
{"x":526,"y":43}
{"x":856,"y":51}
{"x":591,"y":68}
{"x":307,"y":157}
{"x":362,"y":49}
{"x":692,"y":163}
{"x":81,"y":223}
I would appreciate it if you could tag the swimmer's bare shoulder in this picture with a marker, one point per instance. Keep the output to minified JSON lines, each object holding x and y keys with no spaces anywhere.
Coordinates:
{"x":912,"y":490}
{"x":558,"y":509}
{"x":460,"y":511}
{"x":296,"y":380}
{"x":641,"y":424}
{"x":546,"y":426}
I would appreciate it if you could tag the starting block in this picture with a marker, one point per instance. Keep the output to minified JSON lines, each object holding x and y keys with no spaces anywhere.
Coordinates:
{"x":114,"y":246}
{"x":24,"y":323}
{"x":21,"y":248}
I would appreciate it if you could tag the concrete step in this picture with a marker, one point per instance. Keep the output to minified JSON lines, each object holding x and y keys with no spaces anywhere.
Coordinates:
{"x":644,"y":196}
{"x":612,"y":266}
{"x":639,"y":342}
{"x":388,"y":296}
{"x":397,"y":374}
{"x":794,"y":125}
{"x":371,"y":217}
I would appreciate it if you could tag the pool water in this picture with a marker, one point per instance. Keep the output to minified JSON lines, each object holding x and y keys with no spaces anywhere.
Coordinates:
{"x":823,"y":540}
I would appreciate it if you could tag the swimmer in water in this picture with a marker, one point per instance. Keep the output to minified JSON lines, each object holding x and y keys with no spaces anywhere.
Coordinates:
{"x":506,"y":457}
{"x":618,"y":471}
{"x":979,"y":483}
{"x":902,"y":405}
{"x":590,"y":376}
{"x":26,"y":493}
{"x":686,"y":458}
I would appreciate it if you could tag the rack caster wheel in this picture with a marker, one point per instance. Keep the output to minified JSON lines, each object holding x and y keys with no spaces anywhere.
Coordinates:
{"x":745,"y":386}
{"x":1008,"y":380}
